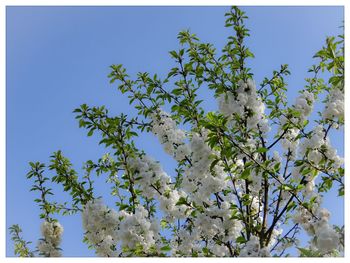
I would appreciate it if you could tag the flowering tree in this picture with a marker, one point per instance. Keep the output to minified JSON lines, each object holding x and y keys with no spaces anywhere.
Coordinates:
{"x":245,"y":176}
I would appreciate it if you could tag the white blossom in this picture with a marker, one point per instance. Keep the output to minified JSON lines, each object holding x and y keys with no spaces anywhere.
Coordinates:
{"x":169,"y":135}
{"x":52,"y":236}
{"x":247,"y":104}
{"x":334,"y":108}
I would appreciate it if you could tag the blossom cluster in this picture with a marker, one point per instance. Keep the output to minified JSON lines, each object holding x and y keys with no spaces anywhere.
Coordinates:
{"x":320,"y":155}
{"x":52,"y":232}
{"x":318,"y":147}
{"x":136,"y":229}
{"x":105,"y":228}
{"x":303,"y":105}
{"x":200,"y":182}
{"x":334,"y":109}
{"x":169,"y":135}
{"x":324,"y":238}
{"x":245,"y":103}
{"x":154,"y":182}
{"x":100,"y":224}
{"x":214,"y":221}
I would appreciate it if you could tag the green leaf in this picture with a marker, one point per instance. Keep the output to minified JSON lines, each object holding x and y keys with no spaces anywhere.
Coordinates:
{"x":291,"y":206}
{"x":245,"y":174}
{"x":123,"y":207}
{"x":166,"y":248}
{"x":173,"y":54}
{"x":163,"y":223}
{"x":213,"y":164}
{"x":241,"y":240}
{"x":287,"y":187}
{"x":262,"y":150}
{"x":341,"y":191}
{"x":81,"y":123}
{"x":182,"y":201}
{"x":90,"y":133}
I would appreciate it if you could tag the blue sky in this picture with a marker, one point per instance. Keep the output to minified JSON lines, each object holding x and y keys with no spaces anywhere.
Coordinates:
{"x":59,"y":58}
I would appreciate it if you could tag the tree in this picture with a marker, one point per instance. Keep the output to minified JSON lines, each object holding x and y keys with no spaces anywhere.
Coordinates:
{"x":236,"y":192}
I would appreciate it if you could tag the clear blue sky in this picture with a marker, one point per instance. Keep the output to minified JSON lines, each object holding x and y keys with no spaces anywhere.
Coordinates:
{"x":59,"y":58}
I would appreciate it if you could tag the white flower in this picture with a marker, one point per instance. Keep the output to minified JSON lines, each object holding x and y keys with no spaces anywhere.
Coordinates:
{"x":220,"y":250}
{"x":240,"y":163}
{"x":242,"y":98}
{"x":334,"y":108}
{"x":52,"y":234}
{"x":251,"y":248}
{"x":304,"y":104}
{"x":309,"y":188}
{"x":327,"y":239}
{"x":169,"y":135}
{"x":315,"y":156}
